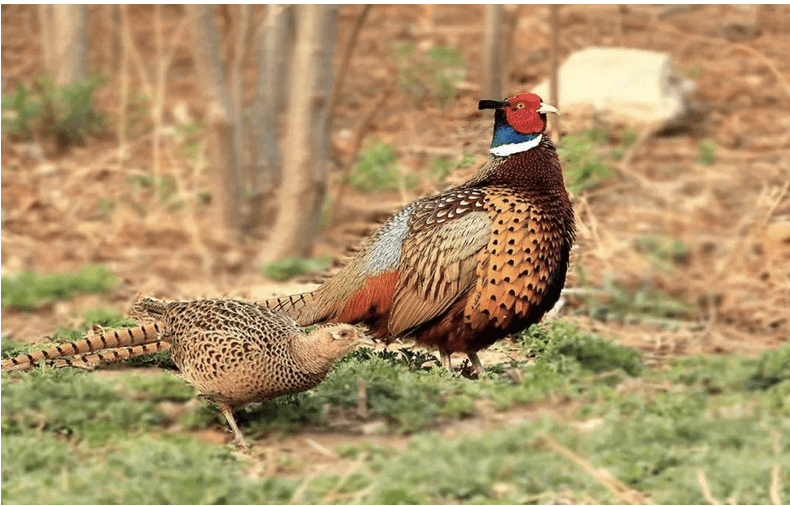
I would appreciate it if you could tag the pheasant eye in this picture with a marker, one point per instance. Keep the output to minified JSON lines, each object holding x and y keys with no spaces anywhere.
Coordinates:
{"x":521,"y":105}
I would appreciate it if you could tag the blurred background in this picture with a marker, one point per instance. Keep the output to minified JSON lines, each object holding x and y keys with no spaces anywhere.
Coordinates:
{"x":245,"y":151}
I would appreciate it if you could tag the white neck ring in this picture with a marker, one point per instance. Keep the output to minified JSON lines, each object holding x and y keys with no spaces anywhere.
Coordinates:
{"x":509,"y":149}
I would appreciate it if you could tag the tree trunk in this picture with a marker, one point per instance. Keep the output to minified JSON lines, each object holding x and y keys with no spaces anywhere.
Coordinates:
{"x":306,"y":153}
{"x":492,"y":52}
{"x":272,"y":52}
{"x":223,"y":124}
{"x":65,"y":41}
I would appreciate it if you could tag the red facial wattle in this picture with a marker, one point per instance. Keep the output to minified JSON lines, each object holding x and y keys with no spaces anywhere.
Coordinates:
{"x":522,"y":114}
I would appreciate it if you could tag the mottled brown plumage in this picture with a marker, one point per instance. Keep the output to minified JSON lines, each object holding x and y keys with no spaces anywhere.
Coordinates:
{"x":233,"y":352}
{"x":459,"y":270}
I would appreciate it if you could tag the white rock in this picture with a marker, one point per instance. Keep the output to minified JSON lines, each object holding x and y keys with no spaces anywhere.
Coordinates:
{"x":634,"y":85}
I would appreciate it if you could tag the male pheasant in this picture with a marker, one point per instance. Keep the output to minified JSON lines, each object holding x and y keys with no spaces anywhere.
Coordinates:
{"x":233,"y":352}
{"x":462,"y":269}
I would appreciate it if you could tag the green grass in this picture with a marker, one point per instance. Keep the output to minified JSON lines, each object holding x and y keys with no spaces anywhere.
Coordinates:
{"x":106,"y":207}
{"x":586,"y":160}
{"x":70,"y":403}
{"x":291,"y":267}
{"x":693,"y":72}
{"x":165,"y":187}
{"x":640,"y":304}
{"x":65,"y":113}
{"x":428,"y":75}
{"x":377,"y":170}
{"x":73,"y":437}
{"x":440,"y":167}
{"x":40,"y":469}
{"x":663,"y":251}
{"x":706,"y":152}
{"x":28,"y":290}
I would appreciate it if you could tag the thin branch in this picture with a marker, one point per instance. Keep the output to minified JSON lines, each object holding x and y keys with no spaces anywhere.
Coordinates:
{"x":236,"y":79}
{"x":175,"y":39}
{"x":321,"y":448}
{"x":665,"y":27}
{"x":296,"y":498}
{"x":332,"y":495}
{"x":775,"y":475}
{"x":612,"y":484}
{"x":625,"y":164}
{"x":124,"y":86}
{"x":347,"y":52}
{"x":703,"y":485}
{"x":554,"y":86}
{"x":134,"y":54}
{"x":362,"y":131}
{"x":159,"y":98}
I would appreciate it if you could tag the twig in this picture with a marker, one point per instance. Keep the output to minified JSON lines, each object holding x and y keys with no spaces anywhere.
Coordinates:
{"x":703,"y":484}
{"x":735,"y":45}
{"x":357,"y":499}
{"x":273,"y":10}
{"x":555,"y":69}
{"x":145,"y":81}
{"x":362,"y":399}
{"x":776,"y":203}
{"x":45,"y":19}
{"x":347,"y":52}
{"x":332,"y":494}
{"x":159,"y":100}
{"x":625,"y":164}
{"x":124,"y":86}
{"x":775,"y":476}
{"x":362,"y":131}
{"x":756,"y":226}
{"x":321,"y":448}
{"x":612,"y":484}
{"x":508,"y":32}
{"x":774,"y":491}
{"x":175,"y":38}
{"x":297,"y":497}
{"x":236,"y":78}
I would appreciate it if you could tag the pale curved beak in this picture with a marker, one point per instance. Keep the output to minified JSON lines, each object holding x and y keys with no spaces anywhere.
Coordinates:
{"x":546,"y":109}
{"x":365,"y":339}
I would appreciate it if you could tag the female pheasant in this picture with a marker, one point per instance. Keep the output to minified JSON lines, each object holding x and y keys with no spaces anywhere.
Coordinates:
{"x":233,"y":352}
{"x":462,"y":269}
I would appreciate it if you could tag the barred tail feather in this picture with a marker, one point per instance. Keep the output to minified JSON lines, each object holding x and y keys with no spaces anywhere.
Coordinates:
{"x":90,"y":360}
{"x":143,"y":334}
{"x":301,"y":307}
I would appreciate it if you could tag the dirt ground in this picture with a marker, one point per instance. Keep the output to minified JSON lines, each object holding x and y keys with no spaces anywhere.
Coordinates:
{"x":733,"y":215}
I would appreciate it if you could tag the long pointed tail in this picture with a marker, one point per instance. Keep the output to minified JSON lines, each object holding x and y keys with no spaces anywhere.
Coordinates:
{"x":301,"y":307}
{"x":144,"y":334}
{"x":90,"y":360}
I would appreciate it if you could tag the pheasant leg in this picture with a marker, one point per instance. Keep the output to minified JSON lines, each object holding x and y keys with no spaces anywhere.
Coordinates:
{"x":237,"y":437}
{"x":475,"y":360}
{"x":444,"y":358}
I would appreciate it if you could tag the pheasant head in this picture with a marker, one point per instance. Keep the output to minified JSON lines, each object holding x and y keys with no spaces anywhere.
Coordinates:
{"x":519,"y":123}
